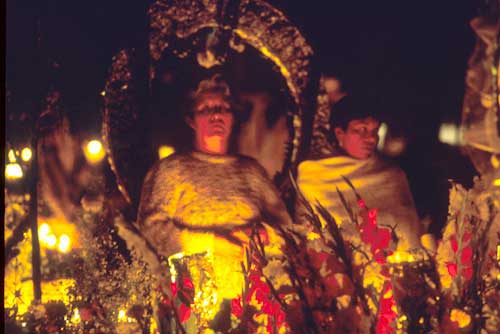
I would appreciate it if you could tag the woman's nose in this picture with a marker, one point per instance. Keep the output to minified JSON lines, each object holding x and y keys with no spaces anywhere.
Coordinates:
{"x":215,"y":115}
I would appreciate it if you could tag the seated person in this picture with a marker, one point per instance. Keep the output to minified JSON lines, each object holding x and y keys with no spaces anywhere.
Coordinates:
{"x":203,"y":203}
{"x":382,"y":185}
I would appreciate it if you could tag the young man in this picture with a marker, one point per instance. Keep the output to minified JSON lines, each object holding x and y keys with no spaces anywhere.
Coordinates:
{"x":382,"y":185}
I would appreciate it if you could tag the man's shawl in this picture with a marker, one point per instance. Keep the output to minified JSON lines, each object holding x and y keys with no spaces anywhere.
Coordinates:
{"x":381,"y":185}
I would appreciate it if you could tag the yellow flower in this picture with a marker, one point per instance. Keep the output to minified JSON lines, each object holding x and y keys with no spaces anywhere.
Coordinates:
{"x":460,"y":317}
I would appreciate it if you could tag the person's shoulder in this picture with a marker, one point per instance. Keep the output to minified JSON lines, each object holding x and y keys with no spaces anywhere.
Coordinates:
{"x":329,"y":161}
{"x":169,"y":164}
{"x":251,"y":166}
{"x":388,"y":164}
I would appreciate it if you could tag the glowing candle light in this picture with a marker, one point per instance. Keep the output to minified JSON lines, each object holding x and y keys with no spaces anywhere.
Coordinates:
{"x":13,"y":171}
{"x":43,"y":231}
{"x":12,"y":156}
{"x":26,"y":154}
{"x":64,"y":243}
{"x":94,"y":151}
{"x":51,"y":241}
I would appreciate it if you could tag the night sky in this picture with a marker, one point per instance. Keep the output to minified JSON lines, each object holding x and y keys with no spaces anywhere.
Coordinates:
{"x":411,"y":54}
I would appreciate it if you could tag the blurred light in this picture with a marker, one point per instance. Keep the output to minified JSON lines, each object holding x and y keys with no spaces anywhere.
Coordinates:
{"x":494,"y":161}
{"x":450,"y":133}
{"x":43,"y":231}
{"x":382,"y":133}
{"x":103,"y":93}
{"x":12,"y":156}
{"x":94,"y":146}
{"x":13,"y":171}
{"x":496,"y":183}
{"x":76,"y":316}
{"x":94,"y":152}
{"x":64,"y":243}
{"x":165,"y":150}
{"x":394,"y":146}
{"x":121,"y":315}
{"x":26,"y":154}
{"x":51,"y":241}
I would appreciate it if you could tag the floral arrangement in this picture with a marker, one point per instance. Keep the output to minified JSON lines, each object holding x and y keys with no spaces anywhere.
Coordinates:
{"x":333,"y":280}
{"x":353,"y":281}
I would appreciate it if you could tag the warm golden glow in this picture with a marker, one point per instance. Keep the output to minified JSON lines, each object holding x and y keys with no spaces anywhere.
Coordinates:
{"x":12,"y":156}
{"x":94,"y":147}
{"x":494,"y":161}
{"x":103,"y":93}
{"x":43,"y":231}
{"x":76,"y":316}
{"x":94,"y":151}
{"x":400,"y":257}
{"x":496,"y":183}
{"x":201,"y":268}
{"x":165,"y":150}
{"x":459,"y":316}
{"x":122,"y":316}
{"x":13,"y":171}
{"x":64,"y":243}
{"x":450,"y":133}
{"x":26,"y":154}
{"x":50,"y":241}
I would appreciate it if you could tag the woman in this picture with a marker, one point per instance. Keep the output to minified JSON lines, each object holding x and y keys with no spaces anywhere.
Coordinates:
{"x":197,"y":208}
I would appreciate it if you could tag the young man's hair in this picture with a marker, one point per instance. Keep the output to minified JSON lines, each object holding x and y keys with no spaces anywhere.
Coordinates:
{"x":352,"y":107}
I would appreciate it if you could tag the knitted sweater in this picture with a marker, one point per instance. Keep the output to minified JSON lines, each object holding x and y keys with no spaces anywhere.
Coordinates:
{"x":196,"y":203}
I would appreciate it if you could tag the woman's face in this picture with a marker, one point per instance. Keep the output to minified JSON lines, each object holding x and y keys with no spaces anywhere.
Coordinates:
{"x":212,"y":123}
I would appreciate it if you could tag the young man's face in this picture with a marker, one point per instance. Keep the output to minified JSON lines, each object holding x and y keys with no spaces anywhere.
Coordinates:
{"x":360,"y":138}
{"x":212,"y":123}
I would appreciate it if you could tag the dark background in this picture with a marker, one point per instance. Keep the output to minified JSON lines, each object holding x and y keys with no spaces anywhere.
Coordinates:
{"x":411,"y":54}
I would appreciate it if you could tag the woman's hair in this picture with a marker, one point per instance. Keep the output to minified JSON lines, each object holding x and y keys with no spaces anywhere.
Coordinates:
{"x":215,"y":84}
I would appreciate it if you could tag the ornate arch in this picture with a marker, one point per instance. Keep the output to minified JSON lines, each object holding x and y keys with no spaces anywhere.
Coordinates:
{"x":235,"y":24}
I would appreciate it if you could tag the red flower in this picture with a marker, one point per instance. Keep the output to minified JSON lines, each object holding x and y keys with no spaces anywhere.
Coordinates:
{"x":368,"y":232}
{"x":466,"y":255}
{"x":184,"y":313}
{"x":236,"y":307}
{"x":452,"y":269}
{"x":467,"y":272}
{"x":361,"y":204}
{"x":174,"y":288}
{"x":466,"y":237}
{"x":165,"y":301}
{"x":262,"y":292}
{"x":278,"y":314}
{"x":187,"y":283}
{"x":379,"y":256}
{"x":386,"y":314}
{"x":454,"y":244}
{"x":382,"y":239}
{"x":372,"y":216}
